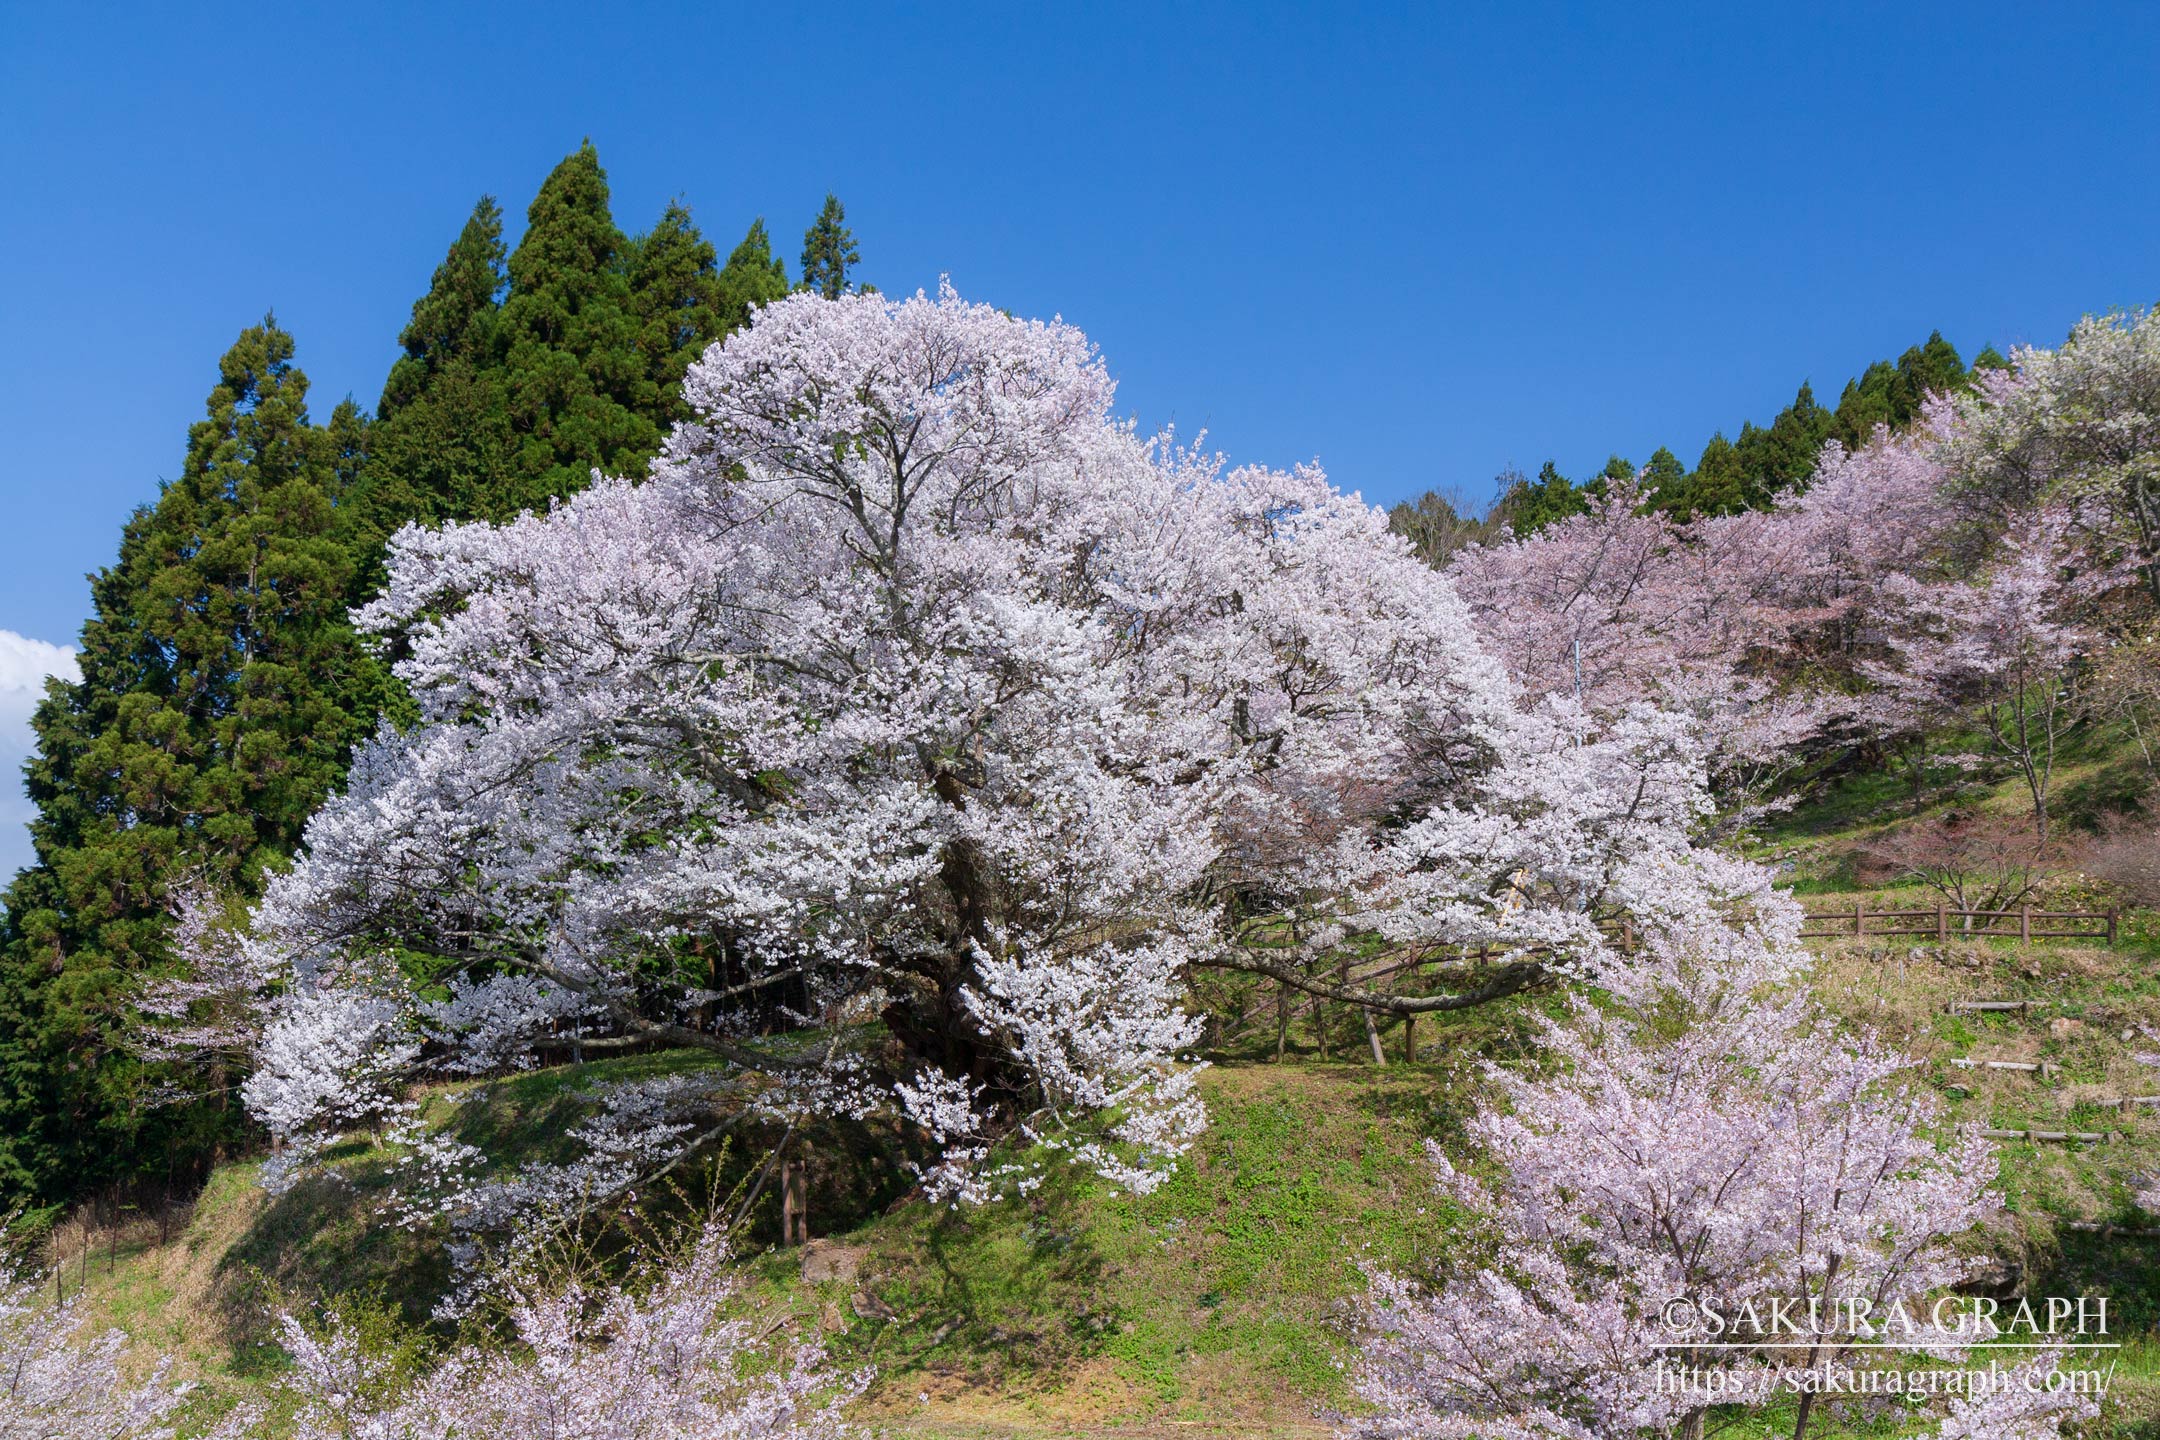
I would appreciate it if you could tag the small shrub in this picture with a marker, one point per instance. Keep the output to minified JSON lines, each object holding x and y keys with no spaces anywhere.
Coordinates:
{"x":2126,"y":855}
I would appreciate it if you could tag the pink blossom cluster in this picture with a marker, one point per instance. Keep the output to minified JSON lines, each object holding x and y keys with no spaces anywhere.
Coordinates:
{"x":1920,"y":579}
{"x":1707,"y":1141}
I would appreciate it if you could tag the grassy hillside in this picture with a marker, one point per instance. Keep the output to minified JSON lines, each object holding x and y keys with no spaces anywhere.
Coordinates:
{"x":1215,"y":1305}
{"x":1218,"y":1298}
{"x":1219,"y":1305}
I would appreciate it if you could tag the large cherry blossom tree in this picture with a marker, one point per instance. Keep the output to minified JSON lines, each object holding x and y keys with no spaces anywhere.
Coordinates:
{"x":904,"y":741}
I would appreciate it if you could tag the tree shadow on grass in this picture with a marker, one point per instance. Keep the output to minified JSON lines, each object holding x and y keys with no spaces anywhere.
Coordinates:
{"x":319,"y":1240}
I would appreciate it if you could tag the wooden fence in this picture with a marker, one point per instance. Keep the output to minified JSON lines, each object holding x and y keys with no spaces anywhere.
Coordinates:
{"x":1944,"y":923}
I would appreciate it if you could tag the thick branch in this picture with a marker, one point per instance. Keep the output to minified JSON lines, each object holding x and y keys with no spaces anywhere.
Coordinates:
{"x":1507,"y":980}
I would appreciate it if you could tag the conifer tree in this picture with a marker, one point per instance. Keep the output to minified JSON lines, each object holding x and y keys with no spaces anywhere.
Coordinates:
{"x":1887,"y":394}
{"x":676,"y":295}
{"x":1530,"y":505}
{"x":523,"y":373}
{"x":1718,"y":486}
{"x":1928,"y":369}
{"x":573,"y":371}
{"x":1778,"y":461}
{"x":1865,"y":404}
{"x":829,"y":251}
{"x":208,"y":724}
{"x":752,"y":276}
{"x":1664,"y":479}
{"x":441,"y":443}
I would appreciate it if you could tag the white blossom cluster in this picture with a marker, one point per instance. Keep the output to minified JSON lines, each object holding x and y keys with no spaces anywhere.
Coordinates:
{"x":56,"y":1383}
{"x":675,"y":1360}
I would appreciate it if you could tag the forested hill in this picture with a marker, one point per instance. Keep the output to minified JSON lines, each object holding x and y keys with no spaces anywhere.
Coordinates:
{"x":223,"y":687}
{"x":1751,"y":472}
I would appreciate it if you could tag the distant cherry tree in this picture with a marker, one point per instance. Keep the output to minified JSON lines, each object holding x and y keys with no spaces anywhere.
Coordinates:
{"x":2001,"y":648}
{"x":2076,"y":429}
{"x":1624,"y":605}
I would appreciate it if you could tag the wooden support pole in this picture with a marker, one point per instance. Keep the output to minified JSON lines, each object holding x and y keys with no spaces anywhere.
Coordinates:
{"x":1282,"y":1019}
{"x":2111,"y":925}
{"x":794,"y":1203}
{"x":1942,"y":922}
{"x":2025,"y":922}
{"x":1372,"y":1036}
{"x":1409,"y":1039}
{"x":1859,"y":918}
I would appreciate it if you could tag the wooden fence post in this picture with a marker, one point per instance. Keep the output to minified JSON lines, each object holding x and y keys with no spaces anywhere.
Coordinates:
{"x":1409,"y":1039}
{"x":1942,"y":921}
{"x":1859,"y":917}
{"x":2025,"y":921}
{"x":2111,"y":925}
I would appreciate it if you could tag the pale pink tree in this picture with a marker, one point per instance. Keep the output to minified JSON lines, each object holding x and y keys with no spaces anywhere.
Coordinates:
{"x":1623,"y":605}
{"x":2002,"y":647}
{"x":1869,"y":518}
{"x":1707,"y":1143}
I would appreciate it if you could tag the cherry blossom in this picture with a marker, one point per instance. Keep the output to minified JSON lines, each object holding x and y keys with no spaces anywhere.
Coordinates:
{"x":1708,"y":1142}
{"x":56,"y":1383}
{"x":905,"y":738}
{"x":677,"y":1359}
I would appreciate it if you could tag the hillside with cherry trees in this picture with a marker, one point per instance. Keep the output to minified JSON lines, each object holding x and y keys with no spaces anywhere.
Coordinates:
{"x":910,"y":903}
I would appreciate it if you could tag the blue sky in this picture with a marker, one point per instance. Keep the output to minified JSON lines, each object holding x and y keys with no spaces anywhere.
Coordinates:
{"x":1417,"y":244}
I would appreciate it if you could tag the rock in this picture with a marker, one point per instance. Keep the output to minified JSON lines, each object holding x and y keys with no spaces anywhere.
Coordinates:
{"x":870,"y":1307}
{"x":1994,"y":1275}
{"x":824,"y":1260}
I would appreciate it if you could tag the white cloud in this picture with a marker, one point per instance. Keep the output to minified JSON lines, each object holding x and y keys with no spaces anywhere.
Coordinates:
{"x":24,"y":664}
